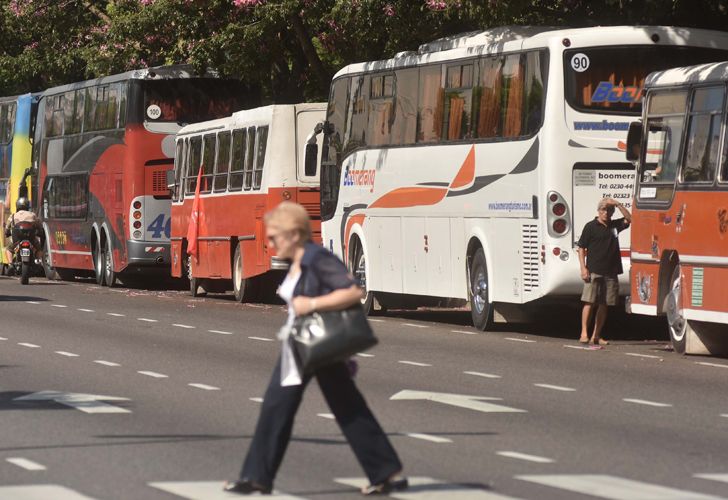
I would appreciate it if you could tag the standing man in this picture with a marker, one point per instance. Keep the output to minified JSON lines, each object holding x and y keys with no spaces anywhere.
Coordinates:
{"x":601,"y":263}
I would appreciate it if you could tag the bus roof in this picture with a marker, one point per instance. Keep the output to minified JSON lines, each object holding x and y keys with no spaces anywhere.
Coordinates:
{"x":515,"y":38}
{"x":712,"y":72}
{"x":155,"y":73}
{"x":247,"y":116}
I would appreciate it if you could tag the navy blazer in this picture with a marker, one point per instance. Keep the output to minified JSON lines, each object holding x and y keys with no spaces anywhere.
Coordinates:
{"x":321,"y":272}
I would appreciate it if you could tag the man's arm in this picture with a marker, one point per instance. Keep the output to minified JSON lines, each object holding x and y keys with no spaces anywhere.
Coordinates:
{"x":582,"y":263}
{"x":625,"y":213}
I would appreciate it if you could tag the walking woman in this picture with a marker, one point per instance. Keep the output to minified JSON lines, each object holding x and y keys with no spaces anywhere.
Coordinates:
{"x":316,"y":281}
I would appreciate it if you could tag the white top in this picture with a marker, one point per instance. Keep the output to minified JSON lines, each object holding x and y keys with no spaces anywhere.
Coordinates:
{"x":289,"y":368}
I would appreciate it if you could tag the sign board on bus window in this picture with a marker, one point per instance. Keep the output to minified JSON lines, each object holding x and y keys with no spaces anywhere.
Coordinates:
{"x":580,"y":62}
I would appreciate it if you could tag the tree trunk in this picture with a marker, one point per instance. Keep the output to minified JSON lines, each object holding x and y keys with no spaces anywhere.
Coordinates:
{"x":309,"y":50}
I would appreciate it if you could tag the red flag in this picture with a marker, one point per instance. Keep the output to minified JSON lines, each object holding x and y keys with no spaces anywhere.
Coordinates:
{"x":193,"y":228}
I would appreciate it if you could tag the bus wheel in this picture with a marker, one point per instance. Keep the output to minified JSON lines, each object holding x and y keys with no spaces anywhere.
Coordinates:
{"x":49,"y":272}
{"x":195,"y":283}
{"x":109,"y":274}
{"x":98,"y":257}
{"x":481,"y":308}
{"x":676,"y":322}
{"x":245,"y":288}
{"x":358,"y":267}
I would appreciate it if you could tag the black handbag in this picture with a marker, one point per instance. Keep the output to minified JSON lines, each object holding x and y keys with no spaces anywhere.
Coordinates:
{"x":326,"y":337}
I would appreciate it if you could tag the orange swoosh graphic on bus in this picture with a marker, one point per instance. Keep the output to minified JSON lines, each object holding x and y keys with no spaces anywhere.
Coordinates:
{"x":466,"y":174}
{"x":410,"y":197}
{"x":622,"y":146}
{"x":354,"y":219}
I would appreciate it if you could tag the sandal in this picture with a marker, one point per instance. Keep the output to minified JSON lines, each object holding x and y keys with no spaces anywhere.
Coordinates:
{"x":584,"y":340}
{"x":394,"y":483}
{"x":600,"y":342}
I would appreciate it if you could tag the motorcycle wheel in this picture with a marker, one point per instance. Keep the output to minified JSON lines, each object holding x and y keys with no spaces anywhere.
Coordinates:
{"x":24,"y":273}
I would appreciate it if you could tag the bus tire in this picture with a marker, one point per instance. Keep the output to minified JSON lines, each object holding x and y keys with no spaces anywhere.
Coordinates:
{"x":109,"y":274}
{"x":195,"y":283}
{"x":481,"y":309}
{"x":24,"y":273}
{"x":678,"y":326}
{"x":98,"y":257}
{"x":245,"y":289}
{"x":358,"y":267}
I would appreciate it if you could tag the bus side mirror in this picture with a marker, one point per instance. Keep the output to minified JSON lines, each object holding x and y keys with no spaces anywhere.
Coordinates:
{"x":310,"y":159}
{"x":634,"y":141}
{"x":170,"y":180}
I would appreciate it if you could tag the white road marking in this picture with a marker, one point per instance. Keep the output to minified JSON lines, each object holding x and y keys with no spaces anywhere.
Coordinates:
{"x":647,"y":403}
{"x":3,"y":338}
{"x":365,"y":355}
{"x":524,"y":456}
{"x":87,"y":403}
{"x":106,"y":363}
{"x":183,"y":326}
{"x":256,"y":400}
{"x":32,"y":302}
{"x":427,"y":488}
{"x":413,"y":363}
{"x":481,"y":374}
{"x":477,"y":403}
{"x":148,"y":320}
{"x":375,"y":320}
{"x":86,"y":310}
{"x":520,"y":340}
{"x":415,"y":325}
{"x":642,"y":355}
{"x":723,"y":478}
{"x":205,"y":387}
{"x":464,"y":331}
{"x":58,"y":305}
{"x":26,"y":464}
{"x":27,"y":344}
{"x":555,"y":387}
{"x":116,"y":315}
{"x":221,"y":332}
{"x":329,"y":416}
{"x":36,"y":491}
{"x":68,"y":354}
{"x":264,"y":339}
{"x":715,"y":365}
{"x":612,"y":487}
{"x":577,"y":347}
{"x":209,"y":490}
{"x":429,"y":437}
{"x":724,"y":415}
{"x":152,"y":374}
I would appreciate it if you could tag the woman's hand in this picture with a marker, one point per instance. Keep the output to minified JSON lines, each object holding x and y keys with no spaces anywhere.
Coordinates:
{"x":304,"y":305}
{"x":334,"y":301}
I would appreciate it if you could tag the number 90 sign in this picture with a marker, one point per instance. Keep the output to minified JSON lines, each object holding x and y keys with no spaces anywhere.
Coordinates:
{"x":580,"y":62}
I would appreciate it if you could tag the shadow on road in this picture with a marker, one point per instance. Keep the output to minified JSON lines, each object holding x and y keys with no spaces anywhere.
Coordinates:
{"x":21,"y":298}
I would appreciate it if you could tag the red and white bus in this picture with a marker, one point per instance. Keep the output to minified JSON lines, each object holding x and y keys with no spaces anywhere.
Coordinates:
{"x":250,"y":161}
{"x":102,"y":150}
{"x":680,"y":212}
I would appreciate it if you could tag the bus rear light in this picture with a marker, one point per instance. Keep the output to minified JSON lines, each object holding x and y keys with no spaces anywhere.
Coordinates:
{"x":137,"y":234}
{"x":137,"y":215}
{"x":553,"y":197}
{"x":543,"y":254}
{"x":556,"y":251}
{"x":559,"y":226}
{"x":137,"y":224}
{"x":559,"y":209}
{"x":286,"y":195}
{"x":137,"y":205}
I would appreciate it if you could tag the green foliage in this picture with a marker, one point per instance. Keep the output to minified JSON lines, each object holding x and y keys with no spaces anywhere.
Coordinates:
{"x":286,"y":50}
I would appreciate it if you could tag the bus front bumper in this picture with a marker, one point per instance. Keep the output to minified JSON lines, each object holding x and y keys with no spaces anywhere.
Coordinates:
{"x":147,"y":253}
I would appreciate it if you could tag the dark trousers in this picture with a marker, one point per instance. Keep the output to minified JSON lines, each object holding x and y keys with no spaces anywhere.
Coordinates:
{"x":275,"y":423}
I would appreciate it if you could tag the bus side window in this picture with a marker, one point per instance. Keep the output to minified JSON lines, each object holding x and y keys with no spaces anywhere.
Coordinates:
{"x":261,"y":143}
{"x":222,"y":164}
{"x":178,"y":166}
{"x":356,"y":115}
{"x":380,"y":110}
{"x":534,"y":90}
{"x":194,"y":156}
{"x":69,"y":104}
{"x":703,"y":135}
{"x":489,"y":97}
{"x":89,"y":121}
{"x":512,"y":104}
{"x":112,"y":103}
{"x":404,"y":126}
{"x":458,"y":101}
{"x":430,"y":104}
{"x":249,"y":159}
{"x":122,"y":104}
{"x":208,"y":163}
{"x":101,"y":108}
{"x":237,"y":165}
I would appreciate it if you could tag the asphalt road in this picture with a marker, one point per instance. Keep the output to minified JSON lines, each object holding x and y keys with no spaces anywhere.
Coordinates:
{"x":521,"y":413}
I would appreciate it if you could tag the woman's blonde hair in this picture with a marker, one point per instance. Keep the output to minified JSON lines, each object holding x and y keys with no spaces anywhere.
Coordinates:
{"x":290,"y":217}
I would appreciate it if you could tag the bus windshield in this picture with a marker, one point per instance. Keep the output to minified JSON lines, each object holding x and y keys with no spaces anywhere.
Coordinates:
{"x":191,"y":100}
{"x":610,"y":79}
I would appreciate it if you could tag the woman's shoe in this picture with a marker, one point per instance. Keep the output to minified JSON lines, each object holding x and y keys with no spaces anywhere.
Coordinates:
{"x":394,"y":483}
{"x":246,"y":487}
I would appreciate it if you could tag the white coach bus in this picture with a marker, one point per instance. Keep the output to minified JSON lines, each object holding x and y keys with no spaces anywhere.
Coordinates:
{"x":466,"y":170}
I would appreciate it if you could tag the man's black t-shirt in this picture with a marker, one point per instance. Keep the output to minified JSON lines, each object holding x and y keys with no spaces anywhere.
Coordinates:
{"x":602,"y":246}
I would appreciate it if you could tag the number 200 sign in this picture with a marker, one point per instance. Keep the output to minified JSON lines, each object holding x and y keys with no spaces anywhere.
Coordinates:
{"x":580,"y":62}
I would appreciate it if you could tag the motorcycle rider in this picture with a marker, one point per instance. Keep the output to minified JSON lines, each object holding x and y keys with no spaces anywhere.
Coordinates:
{"x":23,"y":214}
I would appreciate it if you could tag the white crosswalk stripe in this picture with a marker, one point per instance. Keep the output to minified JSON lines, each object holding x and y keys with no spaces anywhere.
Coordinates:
{"x":40,"y":491}
{"x":208,"y":490}
{"x":427,"y":488}
{"x":613,"y":487}
{"x":723,"y":478}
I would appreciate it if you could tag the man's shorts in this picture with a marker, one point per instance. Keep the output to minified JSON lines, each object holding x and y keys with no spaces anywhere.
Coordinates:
{"x":601,"y":290}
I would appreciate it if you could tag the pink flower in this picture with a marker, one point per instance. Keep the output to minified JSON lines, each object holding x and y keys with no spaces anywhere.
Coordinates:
{"x":146,"y":2}
{"x":389,"y":10}
{"x":247,"y":3}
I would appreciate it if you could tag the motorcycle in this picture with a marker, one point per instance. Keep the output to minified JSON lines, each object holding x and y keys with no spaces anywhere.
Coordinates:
{"x":24,"y":261}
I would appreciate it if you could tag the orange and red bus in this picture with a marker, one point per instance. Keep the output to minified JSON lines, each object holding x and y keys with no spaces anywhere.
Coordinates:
{"x":102,"y":150}
{"x":248,"y":163}
{"x":680,"y":211}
